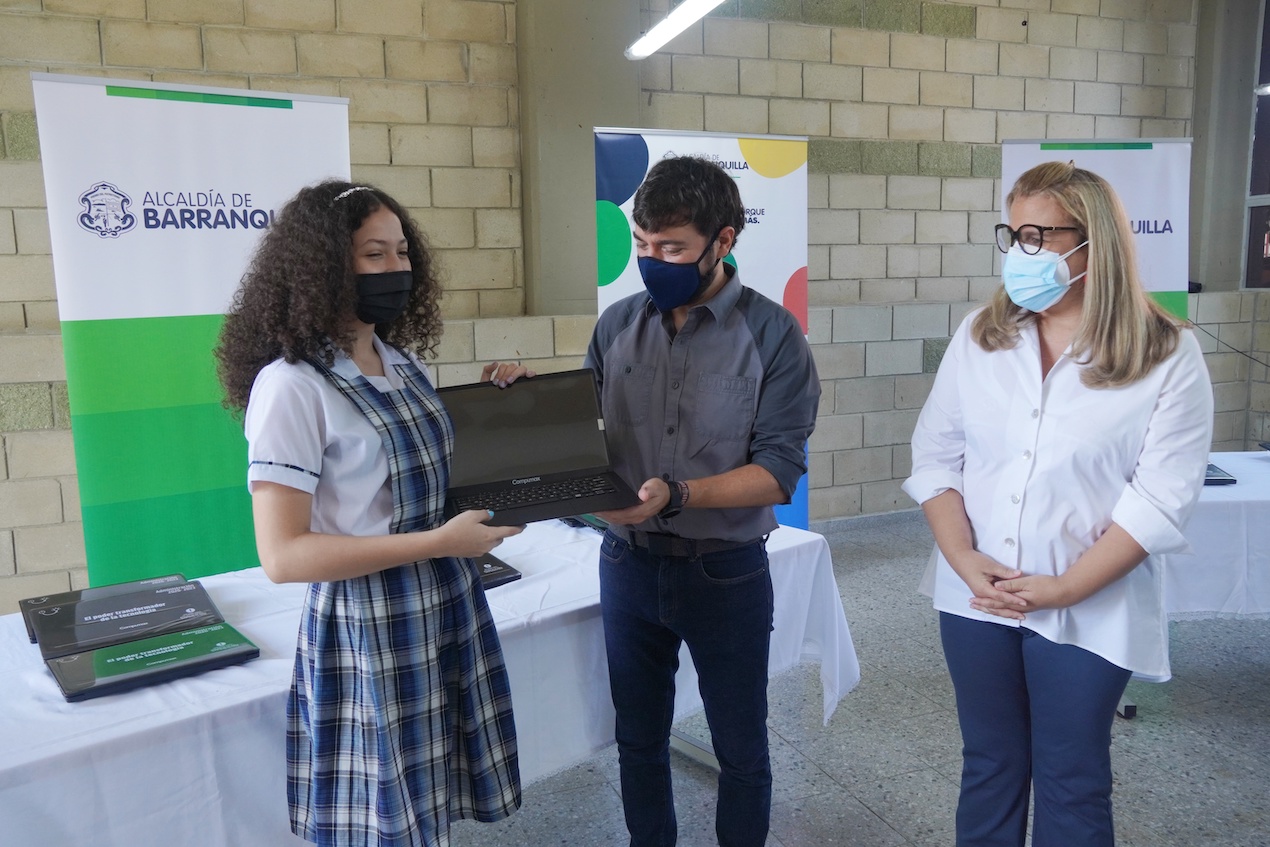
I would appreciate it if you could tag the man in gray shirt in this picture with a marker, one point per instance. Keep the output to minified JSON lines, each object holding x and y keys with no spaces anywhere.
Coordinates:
{"x":709,"y":393}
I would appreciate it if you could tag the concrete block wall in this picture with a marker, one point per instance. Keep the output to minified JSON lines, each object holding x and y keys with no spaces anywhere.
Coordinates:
{"x":905,"y":104}
{"x":1224,"y":328}
{"x":433,"y":118}
{"x":433,"y":114}
{"x":1234,"y":331}
{"x":1259,"y":374}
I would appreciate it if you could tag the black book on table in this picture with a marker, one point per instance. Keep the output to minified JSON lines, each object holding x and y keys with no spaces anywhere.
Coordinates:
{"x":160,"y":658}
{"x":31,"y":605}
{"x":495,"y":572}
{"x":81,"y":625}
{"x":1216,"y":476}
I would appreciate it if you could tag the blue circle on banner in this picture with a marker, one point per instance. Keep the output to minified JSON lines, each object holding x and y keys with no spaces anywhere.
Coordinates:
{"x":621,"y":161}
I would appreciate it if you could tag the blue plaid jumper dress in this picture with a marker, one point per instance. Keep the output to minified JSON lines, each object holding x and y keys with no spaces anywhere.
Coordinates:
{"x":400,"y":715}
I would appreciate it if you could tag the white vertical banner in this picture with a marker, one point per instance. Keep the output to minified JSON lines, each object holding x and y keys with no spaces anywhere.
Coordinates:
{"x":771,"y":174}
{"x":1152,"y":178}
{"x":157,"y":195}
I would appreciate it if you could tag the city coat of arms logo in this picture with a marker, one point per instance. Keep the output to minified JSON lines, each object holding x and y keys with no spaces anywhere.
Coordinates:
{"x":106,"y":211}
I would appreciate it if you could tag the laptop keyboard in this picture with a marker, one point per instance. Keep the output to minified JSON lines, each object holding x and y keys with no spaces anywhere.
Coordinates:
{"x":529,"y":495}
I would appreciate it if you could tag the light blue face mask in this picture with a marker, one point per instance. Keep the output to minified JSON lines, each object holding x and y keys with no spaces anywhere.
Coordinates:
{"x":1036,"y":282}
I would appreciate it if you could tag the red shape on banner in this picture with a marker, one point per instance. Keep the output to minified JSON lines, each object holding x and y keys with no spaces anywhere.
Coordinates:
{"x":795,"y":298}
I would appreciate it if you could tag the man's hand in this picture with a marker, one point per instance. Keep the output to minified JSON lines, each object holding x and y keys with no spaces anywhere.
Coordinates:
{"x":654,"y":496}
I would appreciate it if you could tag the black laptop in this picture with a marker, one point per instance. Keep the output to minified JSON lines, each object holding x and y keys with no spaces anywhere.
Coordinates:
{"x":531,"y":451}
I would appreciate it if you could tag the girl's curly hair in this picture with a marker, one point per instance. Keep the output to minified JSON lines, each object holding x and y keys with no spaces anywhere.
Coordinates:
{"x":298,"y":293}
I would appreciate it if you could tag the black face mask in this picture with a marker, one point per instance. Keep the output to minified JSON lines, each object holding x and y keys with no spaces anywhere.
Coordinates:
{"x":381,"y":298}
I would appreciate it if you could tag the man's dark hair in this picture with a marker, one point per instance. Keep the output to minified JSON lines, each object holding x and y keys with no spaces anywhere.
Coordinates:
{"x":688,"y":190}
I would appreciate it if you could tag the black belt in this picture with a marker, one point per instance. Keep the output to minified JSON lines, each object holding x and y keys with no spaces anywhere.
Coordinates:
{"x":660,"y":544}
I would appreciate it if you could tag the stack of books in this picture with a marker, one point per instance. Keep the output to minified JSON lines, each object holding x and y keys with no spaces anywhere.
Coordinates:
{"x":114,"y":638}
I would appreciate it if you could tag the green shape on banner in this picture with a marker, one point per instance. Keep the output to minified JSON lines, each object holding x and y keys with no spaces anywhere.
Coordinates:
{"x":135,"y":540}
{"x":730,"y":260}
{"x":612,"y":240}
{"x":1097,"y":145}
{"x":146,"y":453}
{"x":141,"y":363}
{"x":1174,"y":302}
{"x":196,"y":97}
{"x":162,"y":464}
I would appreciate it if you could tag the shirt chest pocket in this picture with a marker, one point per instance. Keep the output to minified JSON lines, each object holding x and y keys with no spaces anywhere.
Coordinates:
{"x":628,"y":390}
{"x":725,"y":406}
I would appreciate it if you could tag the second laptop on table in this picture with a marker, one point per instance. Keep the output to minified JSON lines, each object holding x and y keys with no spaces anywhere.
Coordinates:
{"x":532,"y":451}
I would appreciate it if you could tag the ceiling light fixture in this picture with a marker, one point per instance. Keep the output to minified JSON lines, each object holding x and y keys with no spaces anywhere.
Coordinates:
{"x":683,"y":16}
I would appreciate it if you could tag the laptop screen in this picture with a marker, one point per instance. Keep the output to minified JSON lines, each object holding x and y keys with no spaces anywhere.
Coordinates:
{"x":545,"y":425}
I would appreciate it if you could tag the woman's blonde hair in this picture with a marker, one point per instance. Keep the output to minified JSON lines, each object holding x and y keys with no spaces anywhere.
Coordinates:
{"x":1123,"y":332}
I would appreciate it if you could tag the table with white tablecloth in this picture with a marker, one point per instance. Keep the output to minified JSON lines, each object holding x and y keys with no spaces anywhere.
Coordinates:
{"x":1227,"y":571}
{"x":201,"y":760}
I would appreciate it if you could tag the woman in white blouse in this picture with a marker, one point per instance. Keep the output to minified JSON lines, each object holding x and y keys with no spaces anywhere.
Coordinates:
{"x":1062,"y":447}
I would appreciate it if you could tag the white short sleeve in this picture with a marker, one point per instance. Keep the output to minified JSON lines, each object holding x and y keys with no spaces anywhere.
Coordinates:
{"x":284,"y":423}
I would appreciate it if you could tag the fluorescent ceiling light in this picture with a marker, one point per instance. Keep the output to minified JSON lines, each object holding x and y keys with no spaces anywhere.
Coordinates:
{"x":684,"y":15}
{"x":1260,"y":89}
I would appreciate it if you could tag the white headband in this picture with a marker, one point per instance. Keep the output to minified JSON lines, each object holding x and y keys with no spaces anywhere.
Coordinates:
{"x":348,"y":191}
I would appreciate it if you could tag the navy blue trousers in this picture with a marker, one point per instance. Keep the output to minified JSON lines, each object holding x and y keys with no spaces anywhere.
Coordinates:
{"x":1035,"y":713}
{"x":720,"y":605}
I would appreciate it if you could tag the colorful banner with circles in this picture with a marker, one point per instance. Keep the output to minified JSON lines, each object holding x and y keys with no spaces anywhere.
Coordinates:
{"x":771,"y":252}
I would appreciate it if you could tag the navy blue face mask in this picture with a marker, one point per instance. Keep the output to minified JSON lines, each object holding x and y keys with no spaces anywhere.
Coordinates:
{"x":674,"y":284}
{"x":381,"y":298}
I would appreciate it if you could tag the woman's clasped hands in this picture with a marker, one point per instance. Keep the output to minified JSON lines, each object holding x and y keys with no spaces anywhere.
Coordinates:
{"x":1008,"y":592}
{"x":983,"y":575}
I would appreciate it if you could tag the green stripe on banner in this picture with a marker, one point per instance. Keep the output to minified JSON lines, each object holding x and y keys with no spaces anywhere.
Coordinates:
{"x":197,"y":97}
{"x":162,"y":465}
{"x":135,"y":540}
{"x":147,"y":453}
{"x":1174,"y":302}
{"x":1097,"y":145}
{"x":141,"y":363}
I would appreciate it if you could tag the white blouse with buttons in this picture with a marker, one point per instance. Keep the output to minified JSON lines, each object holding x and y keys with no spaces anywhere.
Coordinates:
{"x":1045,"y":467}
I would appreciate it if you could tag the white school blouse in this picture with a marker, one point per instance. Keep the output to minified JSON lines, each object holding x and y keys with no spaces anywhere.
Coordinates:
{"x":1044,"y":467}
{"x":303,"y":433}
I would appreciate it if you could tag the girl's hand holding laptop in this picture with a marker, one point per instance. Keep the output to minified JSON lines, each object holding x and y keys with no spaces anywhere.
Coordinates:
{"x":504,"y":374}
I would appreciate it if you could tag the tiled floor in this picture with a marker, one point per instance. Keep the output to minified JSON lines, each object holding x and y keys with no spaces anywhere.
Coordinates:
{"x":1192,"y":770}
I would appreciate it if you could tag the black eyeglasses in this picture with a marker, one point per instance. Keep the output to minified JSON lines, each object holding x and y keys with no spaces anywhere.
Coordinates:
{"x":1029,"y":236}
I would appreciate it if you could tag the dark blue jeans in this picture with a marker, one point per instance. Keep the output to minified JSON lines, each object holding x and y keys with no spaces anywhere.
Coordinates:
{"x":1031,"y":712}
{"x":720,"y":605}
